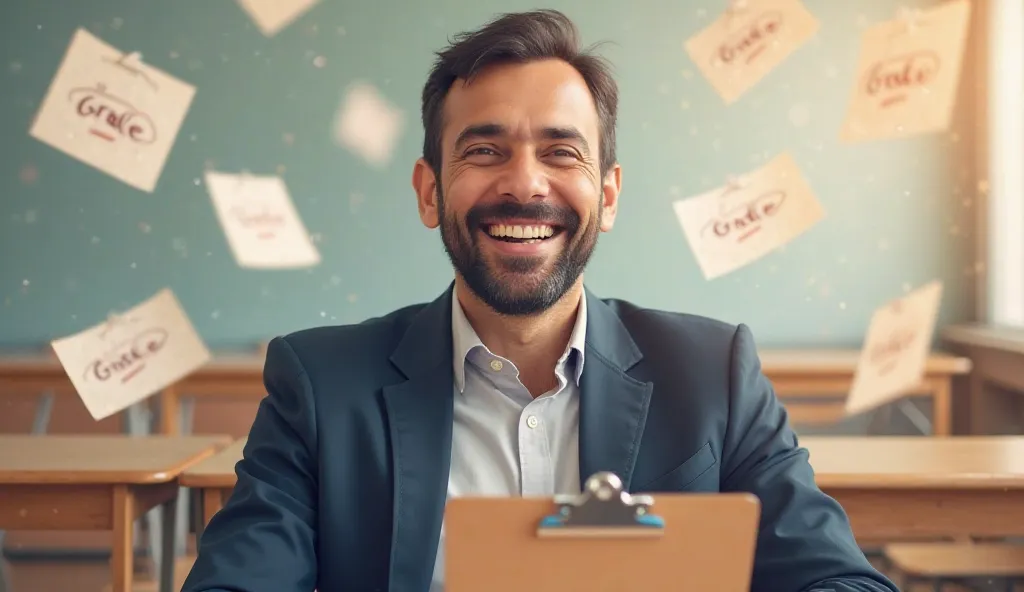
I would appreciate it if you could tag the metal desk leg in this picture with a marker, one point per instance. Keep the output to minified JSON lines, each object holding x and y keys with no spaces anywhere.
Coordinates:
{"x":911,"y":412}
{"x":165,"y":569}
{"x":5,"y":577}
{"x":140,"y":423}
{"x":44,"y":409}
{"x":187,"y":411}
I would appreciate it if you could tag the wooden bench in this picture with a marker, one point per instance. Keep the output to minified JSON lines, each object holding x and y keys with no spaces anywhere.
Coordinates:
{"x":940,"y":563}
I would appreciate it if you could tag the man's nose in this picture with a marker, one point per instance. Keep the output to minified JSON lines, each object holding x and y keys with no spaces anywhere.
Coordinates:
{"x":524,"y":178}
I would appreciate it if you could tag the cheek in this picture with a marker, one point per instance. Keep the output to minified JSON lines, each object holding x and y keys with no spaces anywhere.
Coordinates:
{"x":583,"y":198}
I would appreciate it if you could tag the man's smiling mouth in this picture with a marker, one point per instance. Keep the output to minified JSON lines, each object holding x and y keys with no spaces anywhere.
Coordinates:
{"x":517,"y":233}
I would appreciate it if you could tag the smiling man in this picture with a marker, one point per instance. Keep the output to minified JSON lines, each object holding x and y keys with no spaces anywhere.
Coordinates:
{"x":516,"y":381}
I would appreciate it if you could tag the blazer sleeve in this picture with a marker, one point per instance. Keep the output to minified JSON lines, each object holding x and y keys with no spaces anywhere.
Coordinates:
{"x":264,"y":539}
{"x":805,"y":543}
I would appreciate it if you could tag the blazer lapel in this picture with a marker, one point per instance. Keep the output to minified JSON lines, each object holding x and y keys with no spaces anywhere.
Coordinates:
{"x":613,"y":405}
{"x":419,"y":414}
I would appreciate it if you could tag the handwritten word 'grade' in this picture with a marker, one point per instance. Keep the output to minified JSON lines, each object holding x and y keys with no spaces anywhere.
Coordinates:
{"x":751,"y":41}
{"x":891,"y":79}
{"x":743,"y":221}
{"x":128,"y":358}
{"x":112,"y":117}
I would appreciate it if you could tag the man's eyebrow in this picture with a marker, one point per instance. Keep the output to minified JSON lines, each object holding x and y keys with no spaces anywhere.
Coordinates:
{"x":479,"y":131}
{"x":495,"y":130}
{"x":567,"y":133}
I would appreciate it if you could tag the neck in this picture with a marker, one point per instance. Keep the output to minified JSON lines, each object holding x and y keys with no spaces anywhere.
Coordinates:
{"x":533,"y":343}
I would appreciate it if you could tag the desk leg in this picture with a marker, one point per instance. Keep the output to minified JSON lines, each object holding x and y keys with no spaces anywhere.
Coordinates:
{"x":170,"y":412}
{"x":198,"y":516}
{"x":44,"y":409}
{"x":138,"y":422}
{"x":976,"y":403}
{"x":124,"y":546}
{"x":166,"y":567}
{"x":187,"y":406}
{"x":213,"y":501}
{"x":5,"y":579}
{"x":942,"y":406}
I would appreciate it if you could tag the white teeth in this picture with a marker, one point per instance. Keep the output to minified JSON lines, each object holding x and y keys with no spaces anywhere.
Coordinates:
{"x":526,"y":232}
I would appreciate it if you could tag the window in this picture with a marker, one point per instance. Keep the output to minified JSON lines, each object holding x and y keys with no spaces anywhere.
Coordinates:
{"x":1004,"y":217}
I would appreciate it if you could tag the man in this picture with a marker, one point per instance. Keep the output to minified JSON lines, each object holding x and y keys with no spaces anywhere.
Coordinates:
{"x":515,"y":381}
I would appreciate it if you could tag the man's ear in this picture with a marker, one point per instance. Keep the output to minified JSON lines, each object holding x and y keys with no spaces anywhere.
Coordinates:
{"x":610,"y":188}
{"x":424,"y":183}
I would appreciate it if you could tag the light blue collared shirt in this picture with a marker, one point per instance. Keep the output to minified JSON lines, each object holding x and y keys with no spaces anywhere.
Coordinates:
{"x":505,"y":442}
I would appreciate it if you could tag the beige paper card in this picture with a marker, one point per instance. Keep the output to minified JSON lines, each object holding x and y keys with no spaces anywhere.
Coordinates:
{"x":112,"y":111}
{"x":367,"y":124}
{"x":131,"y":356}
{"x":734,"y":225}
{"x":748,"y":41}
{"x":895,"y":351}
{"x":908,"y":74}
{"x":271,"y":16}
{"x":262,"y":225}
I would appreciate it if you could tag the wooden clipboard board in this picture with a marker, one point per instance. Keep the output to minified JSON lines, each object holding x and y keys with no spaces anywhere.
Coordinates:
{"x":603,"y":541}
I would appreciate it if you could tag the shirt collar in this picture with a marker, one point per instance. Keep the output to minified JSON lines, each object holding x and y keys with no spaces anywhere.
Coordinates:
{"x":465,"y":339}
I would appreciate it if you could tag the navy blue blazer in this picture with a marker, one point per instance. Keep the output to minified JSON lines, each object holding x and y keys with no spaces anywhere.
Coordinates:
{"x":343,"y":481}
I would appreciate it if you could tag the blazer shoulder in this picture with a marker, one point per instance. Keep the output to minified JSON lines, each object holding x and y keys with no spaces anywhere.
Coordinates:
{"x":369,"y":341}
{"x":666,"y":337}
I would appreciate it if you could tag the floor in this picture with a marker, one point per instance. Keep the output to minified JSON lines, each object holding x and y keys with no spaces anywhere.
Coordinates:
{"x":94,"y":577}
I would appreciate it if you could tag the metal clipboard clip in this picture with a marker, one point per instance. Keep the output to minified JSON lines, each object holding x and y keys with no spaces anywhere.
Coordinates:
{"x":603,"y":510}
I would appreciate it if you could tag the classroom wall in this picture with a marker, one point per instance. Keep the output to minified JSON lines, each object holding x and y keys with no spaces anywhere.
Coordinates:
{"x":76,"y":244}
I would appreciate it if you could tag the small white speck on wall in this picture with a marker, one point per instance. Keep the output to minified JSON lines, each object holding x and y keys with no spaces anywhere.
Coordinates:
{"x":353,"y":297}
{"x":215,"y":315}
{"x":800,"y":115}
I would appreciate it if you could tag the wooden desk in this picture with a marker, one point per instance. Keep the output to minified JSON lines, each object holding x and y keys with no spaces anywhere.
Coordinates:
{"x":228,"y":374}
{"x":998,"y":357}
{"x":98,"y":483}
{"x":813,"y":383}
{"x":232,"y":375}
{"x":213,"y":481}
{"x":907,"y":487}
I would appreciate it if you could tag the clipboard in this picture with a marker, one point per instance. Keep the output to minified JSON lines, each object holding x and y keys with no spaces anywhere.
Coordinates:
{"x":603,"y":540}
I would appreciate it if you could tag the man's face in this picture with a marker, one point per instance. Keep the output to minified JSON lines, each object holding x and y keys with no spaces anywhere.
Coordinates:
{"x":520,"y":199}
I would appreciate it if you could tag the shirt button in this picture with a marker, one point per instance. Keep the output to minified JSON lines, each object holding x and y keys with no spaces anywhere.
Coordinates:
{"x":531,"y":422}
{"x":496,"y":365}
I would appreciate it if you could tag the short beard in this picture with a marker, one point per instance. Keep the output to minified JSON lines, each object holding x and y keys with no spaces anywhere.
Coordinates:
{"x":461,"y":245}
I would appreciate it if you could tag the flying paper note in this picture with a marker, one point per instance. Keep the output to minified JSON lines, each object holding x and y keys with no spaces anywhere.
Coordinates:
{"x":908,"y":74}
{"x":273,"y":15}
{"x":895,"y":351}
{"x":111,"y":111}
{"x":131,"y":356}
{"x":743,"y":221}
{"x":367,"y":124}
{"x":748,"y":41}
{"x":262,"y":225}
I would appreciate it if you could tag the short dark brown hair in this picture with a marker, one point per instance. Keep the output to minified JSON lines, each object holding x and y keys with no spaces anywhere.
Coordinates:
{"x":518,"y":38}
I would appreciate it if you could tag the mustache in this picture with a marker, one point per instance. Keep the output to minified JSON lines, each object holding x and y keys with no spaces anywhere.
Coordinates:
{"x":539,"y":212}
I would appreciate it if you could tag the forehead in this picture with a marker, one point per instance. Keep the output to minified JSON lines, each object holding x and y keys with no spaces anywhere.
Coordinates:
{"x":524,"y":98}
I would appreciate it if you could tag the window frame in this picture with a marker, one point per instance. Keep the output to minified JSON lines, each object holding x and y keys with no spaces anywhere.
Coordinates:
{"x":1001,"y":162}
